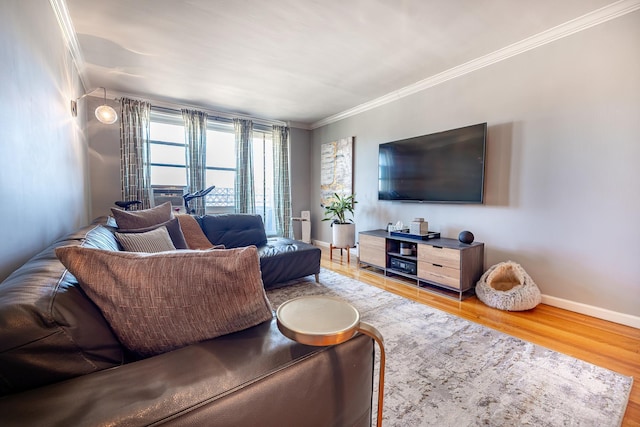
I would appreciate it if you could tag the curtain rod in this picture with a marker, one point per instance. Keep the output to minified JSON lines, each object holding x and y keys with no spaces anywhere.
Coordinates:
{"x":176,"y":111}
{"x":257,"y":125}
{"x":216,"y":115}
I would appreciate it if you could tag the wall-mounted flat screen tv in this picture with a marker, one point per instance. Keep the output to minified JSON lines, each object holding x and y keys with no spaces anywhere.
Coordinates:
{"x":443,"y":167}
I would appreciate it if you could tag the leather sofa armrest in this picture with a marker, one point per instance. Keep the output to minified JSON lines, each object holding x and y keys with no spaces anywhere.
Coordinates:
{"x":253,"y":377}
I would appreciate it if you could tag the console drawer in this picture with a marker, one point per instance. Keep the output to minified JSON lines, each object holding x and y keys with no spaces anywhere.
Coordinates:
{"x":439,"y":255}
{"x":372,"y":250}
{"x":439,"y":274}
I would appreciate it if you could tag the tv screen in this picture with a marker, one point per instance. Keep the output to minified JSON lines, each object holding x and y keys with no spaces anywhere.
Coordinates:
{"x":443,"y":167}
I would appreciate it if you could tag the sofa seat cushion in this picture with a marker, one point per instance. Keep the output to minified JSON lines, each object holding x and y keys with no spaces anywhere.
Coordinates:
{"x":49,"y":330}
{"x":283,"y":259}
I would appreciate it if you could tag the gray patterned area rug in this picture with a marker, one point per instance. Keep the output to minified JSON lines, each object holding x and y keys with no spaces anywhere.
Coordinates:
{"x":443,"y":370}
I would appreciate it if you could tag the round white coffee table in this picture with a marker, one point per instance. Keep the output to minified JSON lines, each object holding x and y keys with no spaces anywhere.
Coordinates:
{"x":322,"y":321}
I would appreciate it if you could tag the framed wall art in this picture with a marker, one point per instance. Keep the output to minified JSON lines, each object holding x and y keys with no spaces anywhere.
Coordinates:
{"x":336,"y":169}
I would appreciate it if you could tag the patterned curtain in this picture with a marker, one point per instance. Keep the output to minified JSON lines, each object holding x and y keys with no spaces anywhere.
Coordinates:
{"x":245,"y":201}
{"x":195,"y":129}
{"x":135,"y":169}
{"x":281,"y":185}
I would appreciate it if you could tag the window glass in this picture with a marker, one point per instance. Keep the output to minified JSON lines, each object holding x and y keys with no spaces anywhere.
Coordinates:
{"x":221,"y":149}
{"x":221,"y":198}
{"x":167,"y":148}
{"x":221,"y":169}
{"x":263,"y":179}
{"x":167,"y":175}
{"x":166,"y":132}
{"x":167,"y":154}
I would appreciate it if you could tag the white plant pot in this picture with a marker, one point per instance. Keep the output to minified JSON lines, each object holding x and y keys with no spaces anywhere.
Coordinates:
{"x":344,"y":235}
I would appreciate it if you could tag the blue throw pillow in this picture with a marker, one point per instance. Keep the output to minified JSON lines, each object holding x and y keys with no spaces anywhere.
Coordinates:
{"x":234,"y":230}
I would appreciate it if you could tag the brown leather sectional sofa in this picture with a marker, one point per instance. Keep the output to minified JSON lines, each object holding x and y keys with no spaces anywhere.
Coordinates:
{"x":61,"y":364}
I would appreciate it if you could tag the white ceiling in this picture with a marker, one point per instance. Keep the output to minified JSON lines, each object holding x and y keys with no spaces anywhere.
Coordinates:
{"x":294,"y":60}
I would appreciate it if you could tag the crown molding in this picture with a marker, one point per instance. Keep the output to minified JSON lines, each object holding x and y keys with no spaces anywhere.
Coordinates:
{"x":69,"y":33}
{"x":591,"y":19}
{"x":299,"y":125}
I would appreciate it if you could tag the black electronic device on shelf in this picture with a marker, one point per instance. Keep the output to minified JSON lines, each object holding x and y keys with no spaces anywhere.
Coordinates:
{"x":404,"y":266}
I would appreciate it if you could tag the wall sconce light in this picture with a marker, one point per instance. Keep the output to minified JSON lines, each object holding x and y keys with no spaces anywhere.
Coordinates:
{"x":104,"y":113}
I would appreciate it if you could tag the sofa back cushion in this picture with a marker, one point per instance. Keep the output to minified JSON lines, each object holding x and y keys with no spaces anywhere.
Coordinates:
{"x":234,"y":230}
{"x":49,"y":330}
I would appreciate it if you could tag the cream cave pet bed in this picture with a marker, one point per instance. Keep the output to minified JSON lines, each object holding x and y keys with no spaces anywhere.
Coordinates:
{"x":506,"y":286}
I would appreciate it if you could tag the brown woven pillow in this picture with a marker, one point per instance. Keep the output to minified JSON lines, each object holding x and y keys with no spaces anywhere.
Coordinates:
{"x":160,"y":302}
{"x":144,"y":218}
{"x":193,"y":234}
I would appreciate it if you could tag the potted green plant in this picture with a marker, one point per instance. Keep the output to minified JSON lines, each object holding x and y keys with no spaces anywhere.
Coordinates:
{"x":344,"y":230}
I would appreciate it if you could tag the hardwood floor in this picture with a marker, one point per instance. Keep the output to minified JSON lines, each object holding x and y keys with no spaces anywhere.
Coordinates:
{"x":606,"y":344}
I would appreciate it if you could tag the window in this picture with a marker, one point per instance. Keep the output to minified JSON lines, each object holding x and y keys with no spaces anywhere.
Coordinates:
{"x":168,"y":173}
{"x":167,"y":155}
{"x":221,"y":168}
{"x":263,"y":178}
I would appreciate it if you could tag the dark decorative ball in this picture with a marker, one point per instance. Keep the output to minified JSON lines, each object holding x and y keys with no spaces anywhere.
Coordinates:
{"x":466,"y":237}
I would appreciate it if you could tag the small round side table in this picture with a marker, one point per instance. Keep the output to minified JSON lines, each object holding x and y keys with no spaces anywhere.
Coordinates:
{"x":323,"y":321}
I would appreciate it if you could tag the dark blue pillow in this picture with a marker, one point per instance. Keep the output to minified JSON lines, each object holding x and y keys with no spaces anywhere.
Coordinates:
{"x":234,"y":230}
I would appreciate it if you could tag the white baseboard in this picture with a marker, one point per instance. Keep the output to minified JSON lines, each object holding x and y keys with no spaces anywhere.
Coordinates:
{"x":320,"y":243}
{"x":353,"y":251}
{"x":590,"y":310}
{"x":578,"y":307}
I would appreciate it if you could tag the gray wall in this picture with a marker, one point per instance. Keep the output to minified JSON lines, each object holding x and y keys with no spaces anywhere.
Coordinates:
{"x":562,"y":175}
{"x":104,"y":158}
{"x":43,"y":172}
{"x":300,"y":157}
